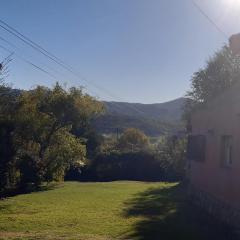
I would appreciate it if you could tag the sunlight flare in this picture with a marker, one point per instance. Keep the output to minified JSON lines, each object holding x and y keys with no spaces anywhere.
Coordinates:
{"x":232,"y":3}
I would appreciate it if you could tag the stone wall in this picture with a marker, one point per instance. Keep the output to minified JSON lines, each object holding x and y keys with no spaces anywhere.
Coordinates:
{"x":218,"y":209}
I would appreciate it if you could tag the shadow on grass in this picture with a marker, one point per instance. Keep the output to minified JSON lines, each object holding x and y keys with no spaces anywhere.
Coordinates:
{"x":28,"y":189}
{"x":166,"y":213}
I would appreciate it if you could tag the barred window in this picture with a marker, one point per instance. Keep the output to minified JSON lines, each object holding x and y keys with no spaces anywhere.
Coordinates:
{"x":196,"y":149}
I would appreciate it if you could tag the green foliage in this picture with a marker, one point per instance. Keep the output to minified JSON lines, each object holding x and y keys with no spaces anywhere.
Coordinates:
{"x":139,"y":166}
{"x":172,"y":155}
{"x":221,"y":71}
{"x":45,"y":127}
{"x":8,"y":166}
{"x":93,"y":143}
{"x":65,"y":151}
{"x":133,"y":139}
{"x":133,"y":157}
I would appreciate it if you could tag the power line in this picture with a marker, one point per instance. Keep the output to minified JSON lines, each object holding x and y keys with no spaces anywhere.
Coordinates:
{"x":197,"y":6}
{"x":38,"y":48}
{"x":7,"y":59}
{"x":28,"y":62}
{"x":47,"y":54}
{"x":57,"y":60}
{"x":50,"y":68}
{"x":35,"y":65}
{"x":15,"y":47}
{"x":29,"y":40}
{"x":212,"y":22}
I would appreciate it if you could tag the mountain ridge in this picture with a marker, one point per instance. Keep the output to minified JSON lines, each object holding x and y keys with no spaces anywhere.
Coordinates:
{"x":153,"y":119}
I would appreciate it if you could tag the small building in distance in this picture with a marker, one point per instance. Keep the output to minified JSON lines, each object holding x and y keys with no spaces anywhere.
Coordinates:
{"x":214,"y":154}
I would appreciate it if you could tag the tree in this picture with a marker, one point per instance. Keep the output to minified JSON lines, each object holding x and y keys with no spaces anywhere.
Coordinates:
{"x":221,"y":71}
{"x":133,"y":139}
{"x":44,"y":122}
{"x":8,"y":175}
{"x":171,"y":152}
{"x":4,"y":69}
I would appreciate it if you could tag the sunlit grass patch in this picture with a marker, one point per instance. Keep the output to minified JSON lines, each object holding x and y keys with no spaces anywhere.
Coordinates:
{"x":106,"y":211}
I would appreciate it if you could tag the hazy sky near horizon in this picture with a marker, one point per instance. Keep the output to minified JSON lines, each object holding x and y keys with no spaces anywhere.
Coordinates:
{"x":127,"y":50}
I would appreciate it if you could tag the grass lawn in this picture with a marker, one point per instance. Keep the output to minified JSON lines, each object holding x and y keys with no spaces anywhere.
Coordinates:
{"x":105,"y":211}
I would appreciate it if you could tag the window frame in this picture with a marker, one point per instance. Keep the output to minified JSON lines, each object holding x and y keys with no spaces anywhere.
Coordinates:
{"x":227,"y":141}
{"x":196,"y":151}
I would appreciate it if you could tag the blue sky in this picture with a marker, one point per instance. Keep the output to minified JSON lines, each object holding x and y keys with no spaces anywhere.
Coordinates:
{"x":137,"y":50}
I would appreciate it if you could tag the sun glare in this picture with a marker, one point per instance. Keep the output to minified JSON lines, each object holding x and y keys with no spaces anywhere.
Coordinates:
{"x":231,"y":3}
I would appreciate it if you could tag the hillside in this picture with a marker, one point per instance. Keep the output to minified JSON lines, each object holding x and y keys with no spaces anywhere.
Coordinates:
{"x":154,"y":119}
{"x":167,"y":111}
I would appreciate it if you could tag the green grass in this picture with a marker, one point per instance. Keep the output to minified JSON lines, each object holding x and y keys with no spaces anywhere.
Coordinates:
{"x":102,"y":211}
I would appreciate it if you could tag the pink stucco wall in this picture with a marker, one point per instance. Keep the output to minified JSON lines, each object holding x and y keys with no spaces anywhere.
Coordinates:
{"x":220,"y":118}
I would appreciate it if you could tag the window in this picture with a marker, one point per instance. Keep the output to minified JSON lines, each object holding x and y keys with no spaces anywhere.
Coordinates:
{"x":196,"y":147}
{"x":226,"y":150}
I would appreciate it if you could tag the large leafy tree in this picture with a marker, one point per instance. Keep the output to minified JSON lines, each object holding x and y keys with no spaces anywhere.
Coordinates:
{"x":44,"y":123}
{"x":221,"y":71}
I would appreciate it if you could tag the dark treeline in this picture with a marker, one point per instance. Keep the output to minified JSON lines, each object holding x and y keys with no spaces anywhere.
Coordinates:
{"x":137,"y":166}
{"x":133,"y":157}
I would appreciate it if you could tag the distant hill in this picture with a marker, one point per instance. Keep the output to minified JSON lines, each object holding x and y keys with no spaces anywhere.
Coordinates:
{"x":154,"y":119}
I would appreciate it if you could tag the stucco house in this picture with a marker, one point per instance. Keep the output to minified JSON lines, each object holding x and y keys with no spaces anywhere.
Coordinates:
{"x":214,"y":155}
